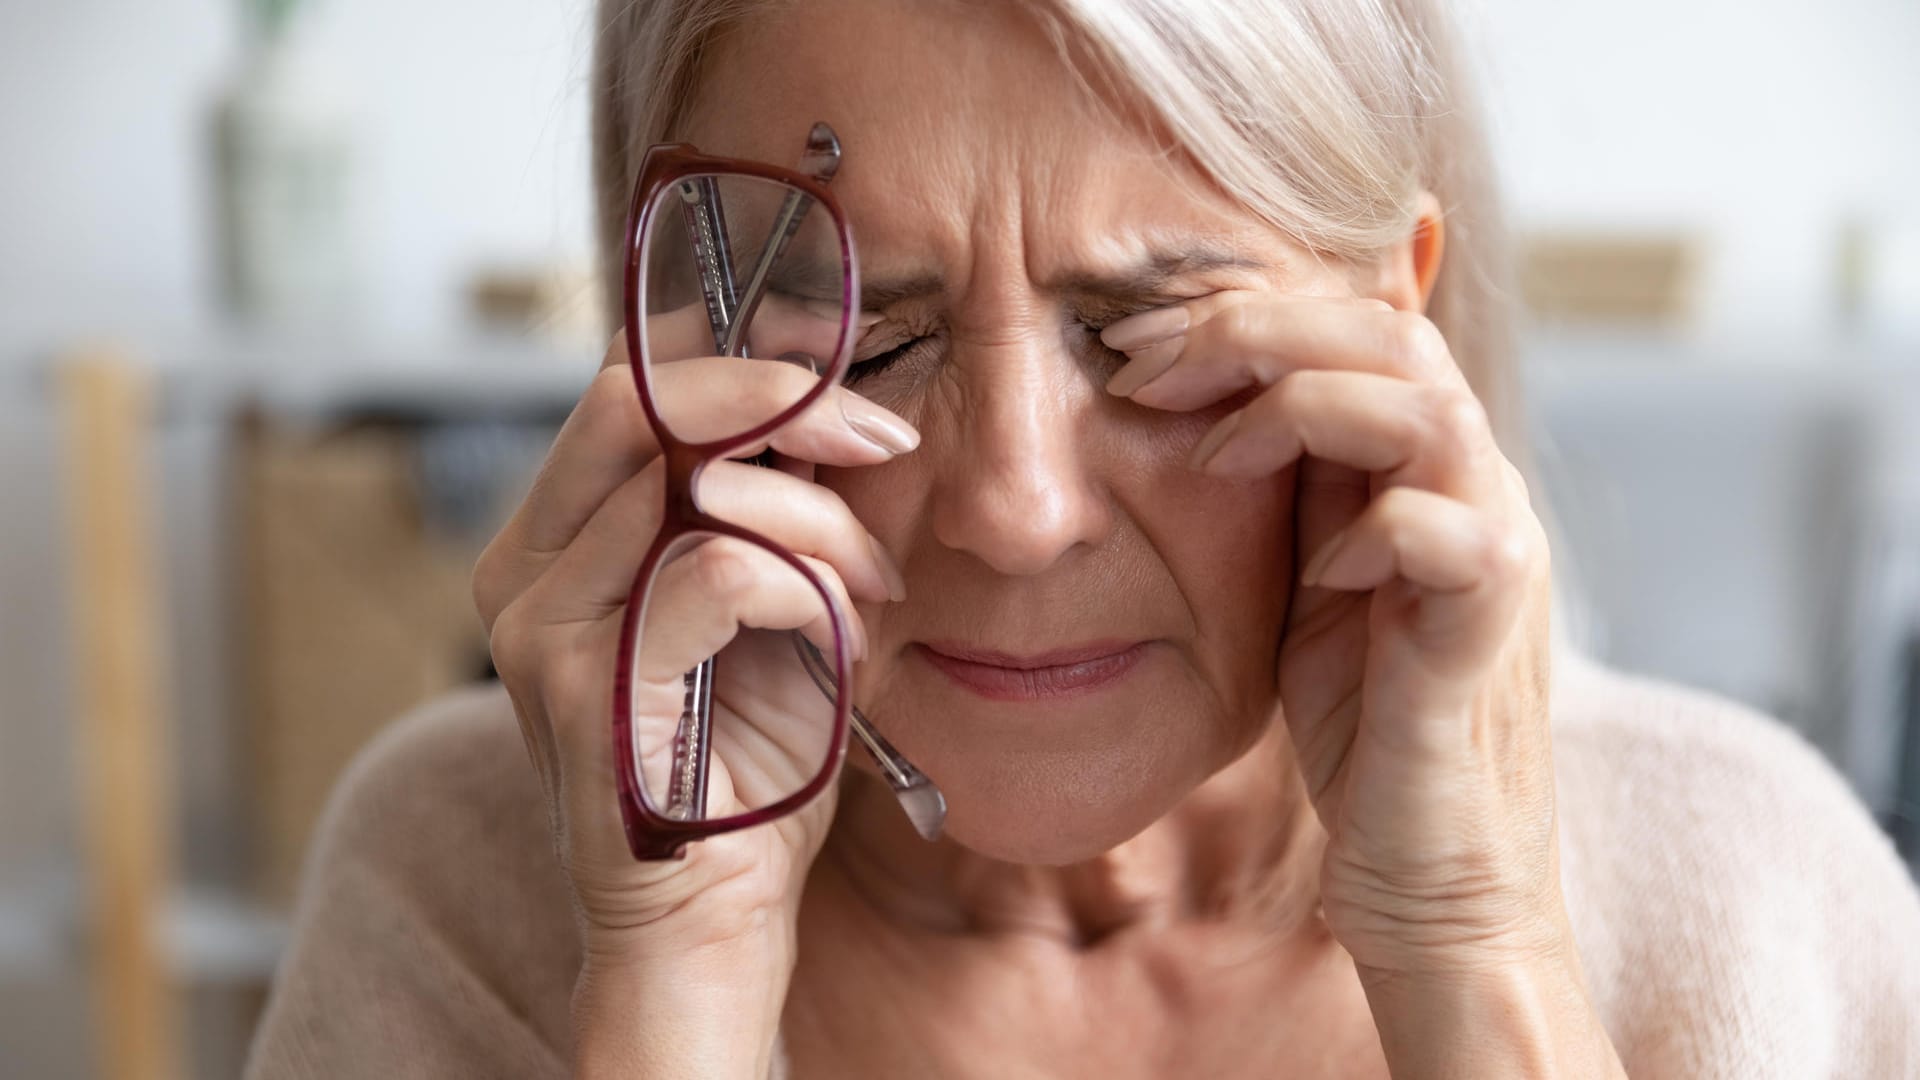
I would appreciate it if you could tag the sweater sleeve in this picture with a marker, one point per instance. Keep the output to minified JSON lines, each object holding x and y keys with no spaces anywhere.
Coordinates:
{"x":1868,"y":930}
{"x":432,"y":936}
{"x":1739,"y":912}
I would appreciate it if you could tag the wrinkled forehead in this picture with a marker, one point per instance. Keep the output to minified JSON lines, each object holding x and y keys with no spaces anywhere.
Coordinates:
{"x":962,"y":128}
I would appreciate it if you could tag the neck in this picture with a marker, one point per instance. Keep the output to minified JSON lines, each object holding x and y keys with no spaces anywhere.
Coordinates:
{"x":1243,"y":848}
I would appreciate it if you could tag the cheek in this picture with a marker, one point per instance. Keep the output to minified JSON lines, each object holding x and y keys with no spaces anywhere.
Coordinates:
{"x":1189,"y":511}
{"x":1227,"y":544}
{"x":1166,"y":438}
{"x":1230,"y":546}
{"x":883,"y":497}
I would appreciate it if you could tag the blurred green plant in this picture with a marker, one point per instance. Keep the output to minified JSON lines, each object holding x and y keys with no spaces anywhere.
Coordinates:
{"x":272,"y":16}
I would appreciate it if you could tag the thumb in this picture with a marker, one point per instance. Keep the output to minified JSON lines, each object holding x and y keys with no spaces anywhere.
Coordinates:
{"x":1327,"y":498}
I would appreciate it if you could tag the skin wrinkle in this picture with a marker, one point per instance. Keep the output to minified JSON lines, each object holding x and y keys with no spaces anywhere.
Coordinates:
{"x":1040,"y":510}
{"x":1132,"y":880}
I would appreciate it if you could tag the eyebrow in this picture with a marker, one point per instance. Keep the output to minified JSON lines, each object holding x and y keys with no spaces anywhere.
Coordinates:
{"x":1155,"y":274}
{"x":1151,"y":277}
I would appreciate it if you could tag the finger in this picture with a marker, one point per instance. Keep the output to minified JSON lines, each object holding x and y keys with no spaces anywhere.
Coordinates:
{"x":695,"y":606}
{"x":604,"y":440}
{"x":607,"y":441}
{"x":595,"y":573}
{"x":1327,"y":498}
{"x":779,"y":325}
{"x":701,"y":597}
{"x":608,"y":429}
{"x":784,"y":325}
{"x":550,"y":675}
{"x":1414,"y":434}
{"x":717,"y":397}
{"x":1235,"y":340}
{"x":537,"y":736}
{"x":1464,"y":572}
{"x":607,"y":437}
{"x":680,"y":332}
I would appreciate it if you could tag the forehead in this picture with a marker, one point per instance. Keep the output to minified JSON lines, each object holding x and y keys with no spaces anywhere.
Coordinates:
{"x":963,"y":131}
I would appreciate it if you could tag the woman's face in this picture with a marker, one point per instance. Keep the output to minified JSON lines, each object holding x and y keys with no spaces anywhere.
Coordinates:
{"x":1003,"y":216}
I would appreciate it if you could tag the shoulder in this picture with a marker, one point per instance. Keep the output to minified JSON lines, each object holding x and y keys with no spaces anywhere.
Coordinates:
{"x":1737,"y":909}
{"x":433,"y":935}
{"x":454,"y":767}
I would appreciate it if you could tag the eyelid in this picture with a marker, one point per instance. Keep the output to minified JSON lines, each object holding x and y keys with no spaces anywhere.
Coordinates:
{"x":872,"y":342}
{"x":1099,"y":318}
{"x":1099,"y":321}
{"x":901,"y":325}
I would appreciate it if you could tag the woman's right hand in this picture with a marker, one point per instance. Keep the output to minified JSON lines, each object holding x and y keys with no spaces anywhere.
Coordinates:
{"x":553,"y":585}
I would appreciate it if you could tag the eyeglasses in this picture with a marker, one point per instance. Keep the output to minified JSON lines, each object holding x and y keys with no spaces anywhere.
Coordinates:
{"x":744,"y":272}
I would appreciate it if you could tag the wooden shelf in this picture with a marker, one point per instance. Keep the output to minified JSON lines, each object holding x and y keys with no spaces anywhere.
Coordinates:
{"x":204,"y":935}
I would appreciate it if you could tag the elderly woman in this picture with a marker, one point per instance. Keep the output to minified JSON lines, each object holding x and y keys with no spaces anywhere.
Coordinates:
{"x":1133,"y":381}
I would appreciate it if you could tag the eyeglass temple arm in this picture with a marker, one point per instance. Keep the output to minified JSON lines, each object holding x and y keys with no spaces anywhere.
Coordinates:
{"x":706,"y":225}
{"x":727,"y":317}
{"x":821,"y":161}
{"x":707,"y":233}
{"x":925,"y":807}
{"x":687,"y":786}
{"x":917,"y":795}
{"x":729,"y":313}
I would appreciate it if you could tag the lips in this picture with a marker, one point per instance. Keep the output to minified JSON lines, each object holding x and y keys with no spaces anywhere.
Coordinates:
{"x":1056,"y":673}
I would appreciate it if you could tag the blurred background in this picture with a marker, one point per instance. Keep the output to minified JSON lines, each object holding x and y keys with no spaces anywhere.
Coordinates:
{"x":292,"y":295}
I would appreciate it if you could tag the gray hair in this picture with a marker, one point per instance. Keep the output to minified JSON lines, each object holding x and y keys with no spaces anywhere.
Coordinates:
{"x":1324,"y":118}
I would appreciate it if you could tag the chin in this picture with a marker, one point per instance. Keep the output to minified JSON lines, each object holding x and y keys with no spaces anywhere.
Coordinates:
{"x":1060,"y":780}
{"x":1057,"y":806}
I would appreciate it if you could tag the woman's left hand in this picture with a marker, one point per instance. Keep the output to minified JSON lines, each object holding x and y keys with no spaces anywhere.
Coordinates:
{"x":1413,"y":671}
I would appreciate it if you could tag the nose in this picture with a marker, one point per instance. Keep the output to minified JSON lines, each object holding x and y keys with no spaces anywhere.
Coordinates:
{"x":1021,"y":490}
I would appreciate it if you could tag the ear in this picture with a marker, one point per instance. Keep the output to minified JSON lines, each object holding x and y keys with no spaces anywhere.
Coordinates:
{"x":1406,"y":271}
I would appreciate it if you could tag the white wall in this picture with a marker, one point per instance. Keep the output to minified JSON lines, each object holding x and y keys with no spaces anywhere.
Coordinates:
{"x":473,"y":138}
{"x":1764,"y":121}
{"x":1767,"y":121}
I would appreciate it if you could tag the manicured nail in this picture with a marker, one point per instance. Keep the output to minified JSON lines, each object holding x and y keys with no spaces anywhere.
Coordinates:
{"x":1204,"y":450}
{"x":877,"y":425}
{"x":1146,"y":328}
{"x":1145,"y":366}
{"x":889,"y":571}
{"x":1317,"y":566}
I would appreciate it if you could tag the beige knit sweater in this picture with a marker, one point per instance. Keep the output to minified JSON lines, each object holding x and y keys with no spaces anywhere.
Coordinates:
{"x":1737,"y":912}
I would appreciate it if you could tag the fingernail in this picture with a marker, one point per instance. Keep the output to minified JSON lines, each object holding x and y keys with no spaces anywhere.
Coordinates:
{"x":1146,"y":328}
{"x":889,"y":570}
{"x":1145,"y":366}
{"x":1317,"y":566}
{"x":1204,"y":450}
{"x":877,"y":425}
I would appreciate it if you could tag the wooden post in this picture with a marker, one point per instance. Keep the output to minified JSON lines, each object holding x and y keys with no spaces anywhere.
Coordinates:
{"x":124,"y":756}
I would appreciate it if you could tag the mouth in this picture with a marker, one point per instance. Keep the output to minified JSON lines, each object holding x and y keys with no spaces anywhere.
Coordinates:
{"x":1056,"y":673}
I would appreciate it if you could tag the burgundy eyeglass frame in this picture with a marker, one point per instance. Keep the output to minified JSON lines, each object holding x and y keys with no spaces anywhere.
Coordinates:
{"x":652,"y":835}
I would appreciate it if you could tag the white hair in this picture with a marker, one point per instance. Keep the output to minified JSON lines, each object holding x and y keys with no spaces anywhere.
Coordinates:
{"x":1325,"y":118}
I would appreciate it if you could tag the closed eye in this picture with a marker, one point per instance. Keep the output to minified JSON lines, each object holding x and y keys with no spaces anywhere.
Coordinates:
{"x":873,"y":365}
